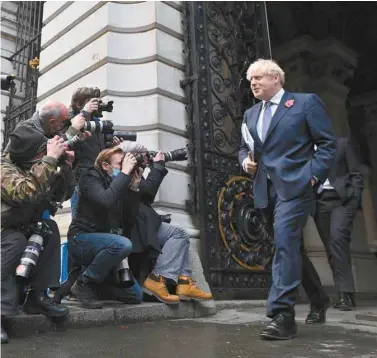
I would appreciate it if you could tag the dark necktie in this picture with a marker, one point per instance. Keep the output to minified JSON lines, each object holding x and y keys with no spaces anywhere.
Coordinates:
{"x":267,"y":116}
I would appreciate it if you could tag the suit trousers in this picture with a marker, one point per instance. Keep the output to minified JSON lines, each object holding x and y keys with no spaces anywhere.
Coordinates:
{"x":289,"y":218}
{"x":334,"y":222}
{"x":46,"y":274}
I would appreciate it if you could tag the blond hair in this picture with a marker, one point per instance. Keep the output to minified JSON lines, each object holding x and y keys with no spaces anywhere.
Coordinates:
{"x":267,"y":67}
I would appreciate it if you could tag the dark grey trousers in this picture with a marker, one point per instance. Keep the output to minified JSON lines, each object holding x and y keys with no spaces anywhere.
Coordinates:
{"x":334,"y":222}
{"x":46,"y":275}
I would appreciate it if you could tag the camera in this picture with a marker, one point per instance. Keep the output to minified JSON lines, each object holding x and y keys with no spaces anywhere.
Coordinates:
{"x":104,"y":127}
{"x":33,"y":249}
{"x":177,"y":155}
{"x":7,"y":81}
{"x":102,"y":106}
{"x":125,"y":278}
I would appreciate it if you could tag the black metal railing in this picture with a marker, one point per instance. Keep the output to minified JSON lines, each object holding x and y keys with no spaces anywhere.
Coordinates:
{"x":25,"y":62}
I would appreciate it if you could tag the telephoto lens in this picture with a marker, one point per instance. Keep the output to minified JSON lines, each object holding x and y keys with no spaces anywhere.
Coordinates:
{"x":105,"y":127}
{"x":33,"y":249}
{"x":125,"y":277}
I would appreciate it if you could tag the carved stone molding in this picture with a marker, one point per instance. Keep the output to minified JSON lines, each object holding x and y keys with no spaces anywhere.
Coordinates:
{"x":317,"y":60}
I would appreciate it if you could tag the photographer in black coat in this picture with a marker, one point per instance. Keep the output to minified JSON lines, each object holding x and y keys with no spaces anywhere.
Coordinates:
{"x":153,"y":234}
{"x":106,"y":211}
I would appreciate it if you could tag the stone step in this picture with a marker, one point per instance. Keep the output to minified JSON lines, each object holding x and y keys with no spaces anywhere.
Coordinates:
{"x":113,"y":313}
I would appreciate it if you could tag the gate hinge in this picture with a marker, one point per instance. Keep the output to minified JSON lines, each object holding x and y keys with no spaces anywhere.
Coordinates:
{"x":188,"y":81}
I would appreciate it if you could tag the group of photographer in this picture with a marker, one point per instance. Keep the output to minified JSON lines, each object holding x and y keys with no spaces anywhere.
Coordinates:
{"x":56,"y":156}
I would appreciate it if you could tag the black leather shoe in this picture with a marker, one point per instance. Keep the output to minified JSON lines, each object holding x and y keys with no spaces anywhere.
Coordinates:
{"x":343,"y":303}
{"x":40,"y":303}
{"x":351,"y":298}
{"x":317,"y":313}
{"x":4,"y":336}
{"x":282,"y":327}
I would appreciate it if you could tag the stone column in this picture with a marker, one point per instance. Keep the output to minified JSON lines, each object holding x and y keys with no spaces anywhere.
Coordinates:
{"x":323,"y":67}
{"x":132,"y":51}
{"x":366,"y":105}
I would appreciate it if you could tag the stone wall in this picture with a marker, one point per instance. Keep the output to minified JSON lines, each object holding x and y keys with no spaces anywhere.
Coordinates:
{"x":132,"y":51}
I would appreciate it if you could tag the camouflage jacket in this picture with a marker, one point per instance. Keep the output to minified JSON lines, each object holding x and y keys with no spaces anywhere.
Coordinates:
{"x":23,"y":191}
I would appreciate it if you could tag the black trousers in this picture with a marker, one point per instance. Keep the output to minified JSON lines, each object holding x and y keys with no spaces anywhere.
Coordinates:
{"x":46,"y":275}
{"x":334,"y":222}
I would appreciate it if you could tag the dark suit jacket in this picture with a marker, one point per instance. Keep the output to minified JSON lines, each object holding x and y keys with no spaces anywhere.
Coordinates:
{"x":287,"y":153}
{"x":345,"y":175}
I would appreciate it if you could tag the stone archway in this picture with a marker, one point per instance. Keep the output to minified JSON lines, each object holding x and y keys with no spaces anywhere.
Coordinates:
{"x":327,"y":51}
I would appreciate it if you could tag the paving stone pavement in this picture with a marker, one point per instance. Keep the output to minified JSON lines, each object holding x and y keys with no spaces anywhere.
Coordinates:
{"x":232,"y":333}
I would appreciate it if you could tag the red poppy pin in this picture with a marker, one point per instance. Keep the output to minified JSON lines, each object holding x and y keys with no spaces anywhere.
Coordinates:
{"x":289,"y":103}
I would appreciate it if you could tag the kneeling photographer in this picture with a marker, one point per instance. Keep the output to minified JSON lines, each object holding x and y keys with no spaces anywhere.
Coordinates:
{"x":97,"y":238}
{"x":153,"y":231}
{"x":32,"y":175}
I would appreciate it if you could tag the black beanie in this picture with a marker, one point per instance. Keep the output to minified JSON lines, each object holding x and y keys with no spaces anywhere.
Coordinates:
{"x":26,"y":143}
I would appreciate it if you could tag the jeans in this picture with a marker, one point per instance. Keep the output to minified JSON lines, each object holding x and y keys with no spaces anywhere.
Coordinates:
{"x":46,"y":273}
{"x":74,"y":199}
{"x":100,"y":253}
{"x":174,"y":260}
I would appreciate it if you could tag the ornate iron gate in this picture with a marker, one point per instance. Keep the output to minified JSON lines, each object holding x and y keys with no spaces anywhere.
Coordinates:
{"x":222,"y":39}
{"x":25,"y":64}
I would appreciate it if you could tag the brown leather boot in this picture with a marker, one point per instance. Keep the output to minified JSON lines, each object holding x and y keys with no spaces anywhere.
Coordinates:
{"x":188,"y":290}
{"x":155,"y":285}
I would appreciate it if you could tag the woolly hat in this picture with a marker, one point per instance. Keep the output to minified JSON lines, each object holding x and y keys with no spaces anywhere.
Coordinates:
{"x":26,"y":143}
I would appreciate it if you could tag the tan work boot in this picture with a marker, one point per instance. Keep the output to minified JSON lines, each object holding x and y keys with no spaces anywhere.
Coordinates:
{"x":188,"y":290}
{"x":155,"y":285}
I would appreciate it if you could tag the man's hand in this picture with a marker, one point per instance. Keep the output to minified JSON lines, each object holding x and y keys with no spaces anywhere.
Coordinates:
{"x":78,"y":122}
{"x":92,"y":105}
{"x":70,"y":157}
{"x":116,"y":141}
{"x":128,"y":164}
{"x":55,"y":147}
{"x":136,"y":178}
{"x":313,"y":181}
{"x":159,"y":157}
{"x":249,"y":165}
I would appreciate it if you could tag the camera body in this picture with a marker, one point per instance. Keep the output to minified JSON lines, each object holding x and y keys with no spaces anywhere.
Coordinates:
{"x":7,"y":82}
{"x":102,"y":106}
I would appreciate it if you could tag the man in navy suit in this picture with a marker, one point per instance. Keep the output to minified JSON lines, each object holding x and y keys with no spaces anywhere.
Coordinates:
{"x":278,"y":138}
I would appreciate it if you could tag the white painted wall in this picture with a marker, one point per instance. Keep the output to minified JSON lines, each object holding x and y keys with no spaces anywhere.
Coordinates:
{"x":133,"y":53}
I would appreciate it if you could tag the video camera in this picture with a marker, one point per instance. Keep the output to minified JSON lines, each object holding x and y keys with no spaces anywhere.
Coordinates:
{"x":177,"y":155}
{"x":7,"y":81}
{"x":104,"y":127}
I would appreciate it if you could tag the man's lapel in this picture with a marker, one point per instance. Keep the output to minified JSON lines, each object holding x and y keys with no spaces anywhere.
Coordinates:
{"x":253,"y":120}
{"x":280,"y":112}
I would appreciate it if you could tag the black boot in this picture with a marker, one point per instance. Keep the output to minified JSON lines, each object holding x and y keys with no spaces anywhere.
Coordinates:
{"x":4,"y":336}
{"x":40,"y":303}
{"x":343,"y":303}
{"x":282,"y":327}
{"x":86,"y":294}
{"x":351,"y":298}
{"x":317,"y":313}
